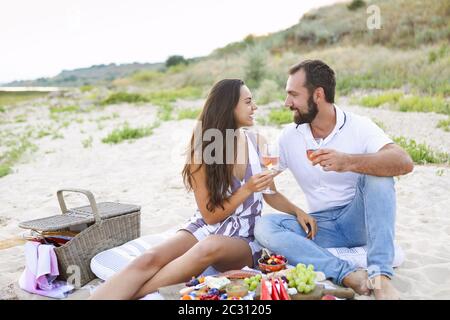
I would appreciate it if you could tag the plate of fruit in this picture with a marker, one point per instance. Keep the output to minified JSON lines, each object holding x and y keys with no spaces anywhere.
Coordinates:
{"x":272,"y":263}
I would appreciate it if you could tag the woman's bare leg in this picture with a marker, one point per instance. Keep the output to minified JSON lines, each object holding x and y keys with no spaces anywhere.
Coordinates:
{"x":127,"y":282}
{"x":222,"y":252}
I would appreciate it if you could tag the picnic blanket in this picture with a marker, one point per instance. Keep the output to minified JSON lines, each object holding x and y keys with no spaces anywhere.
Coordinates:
{"x":107,"y":263}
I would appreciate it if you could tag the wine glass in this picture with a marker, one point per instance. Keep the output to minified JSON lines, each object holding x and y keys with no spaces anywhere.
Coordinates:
{"x":270,"y":160}
{"x":311,"y":146}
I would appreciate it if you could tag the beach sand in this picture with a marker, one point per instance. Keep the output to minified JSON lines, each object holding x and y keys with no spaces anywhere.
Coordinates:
{"x":146,"y":172}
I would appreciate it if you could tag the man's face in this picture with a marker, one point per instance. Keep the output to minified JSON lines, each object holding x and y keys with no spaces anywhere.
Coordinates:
{"x":299,"y":100}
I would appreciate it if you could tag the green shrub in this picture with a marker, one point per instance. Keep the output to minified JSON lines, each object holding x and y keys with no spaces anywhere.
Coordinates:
{"x":175,"y":60}
{"x":268,"y":92}
{"x":86,"y":88}
{"x":163,"y":99}
{"x":356,"y":4}
{"x":420,"y":152}
{"x":124,"y":97}
{"x":20,"y":118}
{"x":54,"y":117}
{"x":444,"y":125}
{"x":177,"y":69}
{"x":432,"y":56}
{"x":43,"y":133}
{"x":349,"y":82}
{"x":255,"y":66}
{"x":374,"y":101}
{"x":19,"y":148}
{"x":412,"y":103}
{"x":165,"y":96}
{"x":57,"y":135}
{"x":165,"y":111}
{"x":191,"y":113}
{"x":127,"y":133}
{"x":87,"y":143}
{"x":4,"y":170}
{"x":379,"y":124}
{"x":424,"y":104}
{"x":147,"y":76}
{"x":249,"y":39}
{"x":280,"y":116}
{"x":61,"y":109}
{"x":11,"y":98}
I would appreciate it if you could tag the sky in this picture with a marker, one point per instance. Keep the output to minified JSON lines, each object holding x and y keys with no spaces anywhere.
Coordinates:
{"x":42,"y":38}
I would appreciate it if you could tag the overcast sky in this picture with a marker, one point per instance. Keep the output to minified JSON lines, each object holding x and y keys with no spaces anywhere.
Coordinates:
{"x":41,"y":38}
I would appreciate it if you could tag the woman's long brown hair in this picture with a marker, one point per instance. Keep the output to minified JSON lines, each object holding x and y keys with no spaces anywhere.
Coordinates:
{"x":217,"y":113}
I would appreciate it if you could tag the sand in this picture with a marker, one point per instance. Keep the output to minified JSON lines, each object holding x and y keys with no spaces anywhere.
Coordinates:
{"x":147,"y":172}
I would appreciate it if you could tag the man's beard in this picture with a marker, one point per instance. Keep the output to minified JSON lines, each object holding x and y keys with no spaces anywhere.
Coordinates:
{"x":301,"y":118}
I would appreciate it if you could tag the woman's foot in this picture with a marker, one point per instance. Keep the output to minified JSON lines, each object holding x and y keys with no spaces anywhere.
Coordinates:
{"x":357,"y":280}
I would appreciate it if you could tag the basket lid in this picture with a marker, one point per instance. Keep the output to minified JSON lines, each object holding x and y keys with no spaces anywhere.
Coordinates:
{"x":79,"y":215}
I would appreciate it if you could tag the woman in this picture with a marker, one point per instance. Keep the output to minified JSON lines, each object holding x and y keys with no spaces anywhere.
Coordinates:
{"x":229,"y":201}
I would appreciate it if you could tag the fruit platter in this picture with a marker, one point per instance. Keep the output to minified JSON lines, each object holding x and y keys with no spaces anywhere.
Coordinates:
{"x":275,"y":280}
{"x":235,"y":285}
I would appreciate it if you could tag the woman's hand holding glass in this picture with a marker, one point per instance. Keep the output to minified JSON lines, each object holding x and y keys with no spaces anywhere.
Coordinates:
{"x":270,"y":161}
{"x":259,"y":182}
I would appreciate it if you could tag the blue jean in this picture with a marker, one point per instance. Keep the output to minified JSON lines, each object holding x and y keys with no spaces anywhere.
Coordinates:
{"x":369,"y":219}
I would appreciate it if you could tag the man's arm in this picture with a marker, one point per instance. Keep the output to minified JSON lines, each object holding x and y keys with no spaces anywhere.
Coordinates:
{"x":389,"y":161}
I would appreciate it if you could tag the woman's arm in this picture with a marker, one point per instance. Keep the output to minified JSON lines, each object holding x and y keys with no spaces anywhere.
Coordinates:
{"x":255,"y":184}
{"x":279,"y":202}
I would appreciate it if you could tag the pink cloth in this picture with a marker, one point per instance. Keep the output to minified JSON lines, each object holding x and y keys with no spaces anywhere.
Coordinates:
{"x":41,"y":271}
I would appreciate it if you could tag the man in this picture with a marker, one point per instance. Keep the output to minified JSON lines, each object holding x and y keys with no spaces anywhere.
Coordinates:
{"x":348,"y":184}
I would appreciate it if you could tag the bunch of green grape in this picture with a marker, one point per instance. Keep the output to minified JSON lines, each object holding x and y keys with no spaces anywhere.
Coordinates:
{"x":302,"y":278}
{"x":253,"y":282}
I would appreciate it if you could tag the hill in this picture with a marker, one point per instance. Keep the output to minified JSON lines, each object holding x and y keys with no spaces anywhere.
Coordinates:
{"x":96,"y":74}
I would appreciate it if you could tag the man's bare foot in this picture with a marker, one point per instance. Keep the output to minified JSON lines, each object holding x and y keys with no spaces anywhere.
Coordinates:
{"x":383,"y":288}
{"x":357,"y":280}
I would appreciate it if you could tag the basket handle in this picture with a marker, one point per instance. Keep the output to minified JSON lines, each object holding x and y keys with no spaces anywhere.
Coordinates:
{"x":87,"y":193}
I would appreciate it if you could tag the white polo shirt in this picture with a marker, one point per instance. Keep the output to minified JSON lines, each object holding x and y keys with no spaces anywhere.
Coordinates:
{"x":352,"y":134}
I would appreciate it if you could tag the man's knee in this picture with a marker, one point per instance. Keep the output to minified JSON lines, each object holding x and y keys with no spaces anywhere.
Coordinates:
{"x":374,"y":183}
{"x":261,"y":224}
{"x":380,"y":197}
{"x":375,"y":180}
{"x":266,"y":227}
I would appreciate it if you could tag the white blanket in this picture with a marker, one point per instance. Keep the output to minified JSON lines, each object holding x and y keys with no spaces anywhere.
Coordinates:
{"x":108,"y":262}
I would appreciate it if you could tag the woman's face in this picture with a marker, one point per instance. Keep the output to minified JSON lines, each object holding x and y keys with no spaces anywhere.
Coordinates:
{"x":244,"y":111}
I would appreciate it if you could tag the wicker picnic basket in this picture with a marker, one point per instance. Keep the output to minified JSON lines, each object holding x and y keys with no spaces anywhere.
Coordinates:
{"x":106,"y":225}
